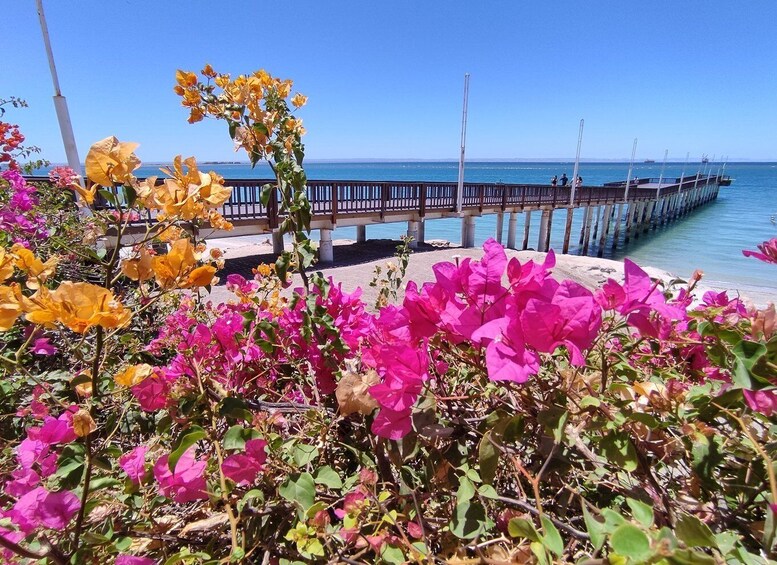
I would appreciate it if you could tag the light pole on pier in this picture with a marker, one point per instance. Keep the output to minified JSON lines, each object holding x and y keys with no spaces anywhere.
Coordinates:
{"x":577,"y":164}
{"x":661,"y":176}
{"x":60,"y":103}
{"x":460,"y":185}
{"x":631,"y":166}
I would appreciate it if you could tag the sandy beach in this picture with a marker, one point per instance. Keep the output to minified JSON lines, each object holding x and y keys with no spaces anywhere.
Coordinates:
{"x":355,"y":263}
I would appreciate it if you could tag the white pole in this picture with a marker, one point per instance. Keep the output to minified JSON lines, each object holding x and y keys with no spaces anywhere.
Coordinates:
{"x":460,"y":187}
{"x":60,"y":104}
{"x":682,"y":175}
{"x":661,"y":176}
{"x":577,"y":164}
{"x":631,"y":166}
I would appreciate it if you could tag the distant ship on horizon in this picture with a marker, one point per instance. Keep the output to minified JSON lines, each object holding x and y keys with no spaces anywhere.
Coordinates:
{"x":649,"y":161}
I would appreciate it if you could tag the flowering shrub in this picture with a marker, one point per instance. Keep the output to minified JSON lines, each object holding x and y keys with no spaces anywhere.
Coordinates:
{"x":495,"y":415}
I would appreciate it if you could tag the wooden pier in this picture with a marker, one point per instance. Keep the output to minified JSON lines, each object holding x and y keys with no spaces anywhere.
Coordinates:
{"x":609,"y":211}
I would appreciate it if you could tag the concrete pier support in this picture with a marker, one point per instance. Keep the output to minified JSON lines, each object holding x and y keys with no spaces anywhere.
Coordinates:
{"x":412,"y":231}
{"x":512,"y":224}
{"x":421,"y":231}
{"x":617,"y":233}
{"x":500,"y":219}
{"x":568,"y":230}
{"x":605,"y":229}
{"x":361,"y":234}
{"x":649,"y":216}
{"x":584,"y":224}
{"x":277,"y":241}
{"x":526,"y":225}
{"x":544,"y":237}
{"x":597,"y":218}
{"x":326,"y":252}
{"x":468,"y":231}
{"x":629,"y":218}
{"x":587,"y":231}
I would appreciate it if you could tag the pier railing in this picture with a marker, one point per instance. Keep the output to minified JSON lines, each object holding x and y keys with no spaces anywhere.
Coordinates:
{"x":337,"y":198}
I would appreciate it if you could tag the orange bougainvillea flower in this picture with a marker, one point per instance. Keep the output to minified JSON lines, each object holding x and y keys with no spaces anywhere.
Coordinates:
{"x":37,"y":271}
{"x":87,"y":194}
{"x":299,"y":100}
{"x":78,"y":306}
{"x":133,"y":374}
{"x":139,"y":268}
{"x":10,"y":308}
{"x":178,"y":268}
{"x":185,"y":79}
{"x":111,"y":161}
{"x":6,"y":265}
{"x":201,"y":276}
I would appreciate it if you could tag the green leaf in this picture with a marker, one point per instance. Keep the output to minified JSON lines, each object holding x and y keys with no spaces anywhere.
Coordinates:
{"x":619,"y":450}
{"x":642,"y":512}
{"x":329,"y":477}
{"x":551,"y":538}
{"x":522,"y":528}
{"x":237,"y":436}
{"x":304,"y":454}
{"x":184,"y":442}
{"x":469,"y":521}
{"x":235,"y":408}
{"x":299,"y":489}
{"x":250,"y":495}
{"x":630,"y":541}
{"x":487,"y":491}
{"x":596,"y":529}
{"x":747,"y":354}
{"x":694,"y":533}
{"x":488,"y":456}
{"x":265,"y":194}
{"x":466,"y":490}
{"x":392,"y":554}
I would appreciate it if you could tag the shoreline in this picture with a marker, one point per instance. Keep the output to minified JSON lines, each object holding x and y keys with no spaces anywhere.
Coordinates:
{"x":354,"y":266}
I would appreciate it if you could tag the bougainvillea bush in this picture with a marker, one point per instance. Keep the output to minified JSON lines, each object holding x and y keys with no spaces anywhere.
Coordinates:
{"x":495,"y":415}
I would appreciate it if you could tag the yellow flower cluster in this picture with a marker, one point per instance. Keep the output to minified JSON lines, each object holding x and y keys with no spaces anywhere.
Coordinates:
{"x":254,"y":104}
{"x":176,"y":269}
{"x":189,"y":194}
{"x":78,"y":306}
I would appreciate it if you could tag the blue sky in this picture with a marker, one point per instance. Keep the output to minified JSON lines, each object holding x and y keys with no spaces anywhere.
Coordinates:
{"x":385,"y":79}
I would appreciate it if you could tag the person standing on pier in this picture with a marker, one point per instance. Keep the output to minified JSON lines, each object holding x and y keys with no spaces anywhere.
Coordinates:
{"x":579,"y":182}
{"x":554,"y":180}
{"x":564,"y":179}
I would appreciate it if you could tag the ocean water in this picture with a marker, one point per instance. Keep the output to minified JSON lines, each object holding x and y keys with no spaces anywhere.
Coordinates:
{"x":711,"y":238}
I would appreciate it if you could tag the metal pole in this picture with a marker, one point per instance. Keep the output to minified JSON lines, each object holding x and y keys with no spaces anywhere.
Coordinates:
{"x":682,"y":175}
{"x":577,"y":164}
{"x":661,"y":176}
{"x":460,"y":186}
{"x":60,"y":103}
{"x":631,"y":166}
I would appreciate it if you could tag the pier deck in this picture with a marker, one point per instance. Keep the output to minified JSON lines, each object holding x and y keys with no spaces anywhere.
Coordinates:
{"x":343,"y":203}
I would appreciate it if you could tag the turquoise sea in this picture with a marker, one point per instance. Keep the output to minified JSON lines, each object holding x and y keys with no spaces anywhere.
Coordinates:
{"x":711,"y":238}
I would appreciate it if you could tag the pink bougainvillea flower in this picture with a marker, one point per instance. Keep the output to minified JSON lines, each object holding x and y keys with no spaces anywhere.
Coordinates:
{"x":186,"y":483}
{"x":152,"y":392}
{"x":134,"y":463}
{"x":24,"y":480}
{"x":768,"y":252}
{"x":39,"y":507}
{"x":571,"y":318}
{"x":55,"y":430}
{"x":242,"y":468}
{"x":392,"y":424}
{"x":763,"y":401}
{"x":125,"y":559}
{"x":43,"y":346}
{"x":507,"y":358}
